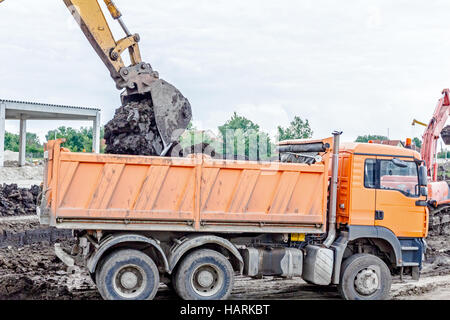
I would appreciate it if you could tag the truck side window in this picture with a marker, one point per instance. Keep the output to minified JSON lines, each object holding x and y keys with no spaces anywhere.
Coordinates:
{"x":370,"y":177}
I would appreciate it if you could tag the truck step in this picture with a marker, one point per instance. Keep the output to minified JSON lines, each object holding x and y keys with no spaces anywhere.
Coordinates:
{"x":410,"y":264}
{"x":410,"y":248}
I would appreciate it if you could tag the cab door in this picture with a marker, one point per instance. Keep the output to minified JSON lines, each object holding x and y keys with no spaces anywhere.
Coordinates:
{"x":363,"y":188}
{"x":399,"y":206}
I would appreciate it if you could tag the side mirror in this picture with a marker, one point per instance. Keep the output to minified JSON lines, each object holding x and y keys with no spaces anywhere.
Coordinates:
{"x":423,"y":179}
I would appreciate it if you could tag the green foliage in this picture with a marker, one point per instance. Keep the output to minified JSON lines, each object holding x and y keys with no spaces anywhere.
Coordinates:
{"x":417,"y":142}
{"x":238,"y":123}
{"x":369,"y":137}
{"x":77,"y":140}
{"x":444,"y":155}
{"x":243,"y":138}
{"x":11,"y":142}
{"x":298,"y":129}
{"x":33,"y":145}
{"x":192,"y":136}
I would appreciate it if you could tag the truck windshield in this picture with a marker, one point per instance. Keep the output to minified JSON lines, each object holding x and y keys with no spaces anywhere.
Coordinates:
{"x":384,"y":174}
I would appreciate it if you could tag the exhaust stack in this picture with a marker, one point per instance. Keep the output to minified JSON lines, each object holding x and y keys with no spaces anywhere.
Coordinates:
{"x":333,"y":191}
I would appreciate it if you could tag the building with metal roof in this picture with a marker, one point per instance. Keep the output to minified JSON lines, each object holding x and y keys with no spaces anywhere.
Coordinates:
{"x":27,"y":111}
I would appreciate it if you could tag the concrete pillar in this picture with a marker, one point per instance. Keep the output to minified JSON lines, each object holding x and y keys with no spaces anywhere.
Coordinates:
{"x":2,"y":133}
{"x":96,"y":134}
{"x":22,"y":141}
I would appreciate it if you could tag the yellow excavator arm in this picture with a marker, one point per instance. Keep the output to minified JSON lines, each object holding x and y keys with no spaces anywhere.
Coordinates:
{"x":139,"y":75}
{"x":171,"y":109}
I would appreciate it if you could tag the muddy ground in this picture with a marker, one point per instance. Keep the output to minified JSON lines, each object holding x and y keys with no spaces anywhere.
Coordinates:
{"x":33,"y":272}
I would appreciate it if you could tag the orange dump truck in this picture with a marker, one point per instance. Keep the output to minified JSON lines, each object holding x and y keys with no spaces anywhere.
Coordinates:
{"x":351,"y":215}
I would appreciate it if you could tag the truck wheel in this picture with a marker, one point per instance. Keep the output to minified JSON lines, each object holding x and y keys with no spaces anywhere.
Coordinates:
{"x":127,"y":275}
{"x":364,"y":277}
{"x":204,"y":275}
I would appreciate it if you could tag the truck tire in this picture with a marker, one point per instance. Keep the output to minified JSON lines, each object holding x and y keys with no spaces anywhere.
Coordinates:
{"x":127,"y":275}
{"x":364,"y":277}
{"x":204,"y":275}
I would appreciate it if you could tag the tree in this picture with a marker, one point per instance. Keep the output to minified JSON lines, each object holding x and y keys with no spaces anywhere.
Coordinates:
{"x":443,"y":155}
{"x":193,"y":136}
{"x":241,"y":137}
{"x":33,"y":145}
{"x":238,"y":123}
{"x":369,"y":137}
{"x":298,"y":129}
{"x":11,"y":142}
{"x":77,"y":140}
{"x":417,"y":142}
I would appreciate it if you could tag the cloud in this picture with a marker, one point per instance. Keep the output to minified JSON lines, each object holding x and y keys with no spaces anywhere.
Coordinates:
{"x":358,"y":66}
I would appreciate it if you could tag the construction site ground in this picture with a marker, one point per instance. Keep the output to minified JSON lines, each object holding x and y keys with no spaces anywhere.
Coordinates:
{"x":30,"y":270}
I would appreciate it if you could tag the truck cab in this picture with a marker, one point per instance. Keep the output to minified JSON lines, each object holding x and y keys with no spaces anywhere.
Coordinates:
{"x":383,"y":193}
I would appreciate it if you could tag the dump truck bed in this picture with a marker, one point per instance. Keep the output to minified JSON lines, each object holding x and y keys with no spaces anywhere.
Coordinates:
{"x":195,"y":194}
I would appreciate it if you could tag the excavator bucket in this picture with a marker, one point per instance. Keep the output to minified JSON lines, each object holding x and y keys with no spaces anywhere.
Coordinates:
{"x":172,"y":111}
{"x":445,"y":135}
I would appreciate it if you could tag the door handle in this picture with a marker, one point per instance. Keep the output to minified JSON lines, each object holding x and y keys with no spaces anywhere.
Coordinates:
{"x":379,"y":215}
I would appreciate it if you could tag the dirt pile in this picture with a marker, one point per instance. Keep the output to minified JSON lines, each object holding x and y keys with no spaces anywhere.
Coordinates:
{"x":15,"y":201}
{"x":133,"y":131}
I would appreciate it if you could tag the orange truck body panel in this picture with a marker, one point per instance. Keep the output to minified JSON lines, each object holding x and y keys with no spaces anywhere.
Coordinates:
{"x":200,"y":194}
{"x":115,"y":192}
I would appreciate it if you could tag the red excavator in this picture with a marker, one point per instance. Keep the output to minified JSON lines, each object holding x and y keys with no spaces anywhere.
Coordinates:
{"x":438,"y":191}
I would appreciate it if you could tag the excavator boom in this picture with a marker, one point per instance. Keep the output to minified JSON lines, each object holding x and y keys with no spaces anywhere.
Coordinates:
{"x":140,"y":82}
{"x":432,"y":133}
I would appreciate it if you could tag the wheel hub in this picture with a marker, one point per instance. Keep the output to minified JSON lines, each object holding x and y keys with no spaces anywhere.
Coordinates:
{"x":366,"y":281}
{"x":205,"y":278}
{"x":129,"y":280}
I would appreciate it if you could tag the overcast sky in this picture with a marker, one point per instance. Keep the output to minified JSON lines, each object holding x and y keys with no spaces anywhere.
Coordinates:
{"x":358,"y":66}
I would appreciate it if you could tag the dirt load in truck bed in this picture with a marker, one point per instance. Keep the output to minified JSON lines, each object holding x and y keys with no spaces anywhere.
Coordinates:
{"x":133,"y":131}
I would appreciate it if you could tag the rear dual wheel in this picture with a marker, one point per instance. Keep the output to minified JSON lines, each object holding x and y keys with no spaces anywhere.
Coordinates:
{"x":204,"y":275}
{"x":127,"y":275}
